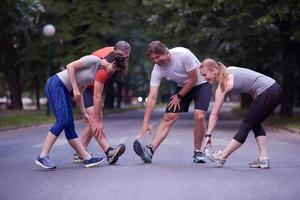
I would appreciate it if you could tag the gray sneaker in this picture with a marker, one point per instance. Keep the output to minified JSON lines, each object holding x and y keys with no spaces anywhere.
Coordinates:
{"x":198,"y":157}
{"x":215,"y":157}
{"x":45,"y":162}
{"x":264,"y":164}
{"x":113,"y":154}
{"x":143,"y":151}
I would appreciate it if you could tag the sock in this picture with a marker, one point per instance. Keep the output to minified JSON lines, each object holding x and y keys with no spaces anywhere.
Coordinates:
{"x":89,"y":157}
{"x":197,"y":150}
{"x":42,"y":155}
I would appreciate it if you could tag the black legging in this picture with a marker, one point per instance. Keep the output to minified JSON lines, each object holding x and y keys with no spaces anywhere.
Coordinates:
{"x":258,"y":111}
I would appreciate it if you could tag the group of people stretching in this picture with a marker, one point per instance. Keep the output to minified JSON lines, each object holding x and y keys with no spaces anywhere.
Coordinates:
{"x":86,"y":79}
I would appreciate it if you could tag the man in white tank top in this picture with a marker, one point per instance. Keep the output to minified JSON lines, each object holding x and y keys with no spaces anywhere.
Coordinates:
{"x":180,"y":65}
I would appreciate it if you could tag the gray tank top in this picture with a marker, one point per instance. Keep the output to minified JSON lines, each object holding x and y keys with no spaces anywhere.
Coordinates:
{"x":86,"y":75}
{"x":249,"y":82}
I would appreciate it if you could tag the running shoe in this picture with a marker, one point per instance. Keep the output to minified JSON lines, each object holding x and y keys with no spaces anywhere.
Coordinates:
{"x":198,"y":157}
{"x":215,"y":157}
{"x":143,"y":151}
{"x":264,"y":164}
{"x":77,"y":158}
{"x":45,"y":162}
{"x":94,"y":161}
{"x":113,"y":154}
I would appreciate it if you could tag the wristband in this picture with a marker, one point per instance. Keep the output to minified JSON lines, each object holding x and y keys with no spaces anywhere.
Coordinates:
{"x":179,"y":96}
{"x":207,"y":135}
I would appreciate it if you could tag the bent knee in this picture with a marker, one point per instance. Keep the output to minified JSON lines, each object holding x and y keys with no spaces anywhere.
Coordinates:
{"x":169,"y":117}
{"x":199,"y":115}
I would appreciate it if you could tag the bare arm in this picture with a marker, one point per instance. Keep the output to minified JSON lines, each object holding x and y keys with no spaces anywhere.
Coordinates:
{"x":98,"y":92}
{"x":80,"y":102}
{"x":214,"y":115}
{"x":152,"y":98}
{"x":97,"y":123}
{"x":190,"y":83}
{"x":71,"y":69}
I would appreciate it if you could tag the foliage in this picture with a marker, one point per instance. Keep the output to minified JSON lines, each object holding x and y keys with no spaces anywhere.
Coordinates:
{"x":263,"y":35}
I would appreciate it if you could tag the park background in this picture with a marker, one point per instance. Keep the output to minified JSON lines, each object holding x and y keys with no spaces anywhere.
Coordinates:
{"x":261,"y":35}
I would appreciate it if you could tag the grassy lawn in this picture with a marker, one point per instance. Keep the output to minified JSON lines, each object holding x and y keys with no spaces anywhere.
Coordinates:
{"x":279,"y":121}
{"x":15,"y":119}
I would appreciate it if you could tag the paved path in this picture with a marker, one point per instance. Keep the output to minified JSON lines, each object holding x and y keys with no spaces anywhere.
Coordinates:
{"x":172,"y":175}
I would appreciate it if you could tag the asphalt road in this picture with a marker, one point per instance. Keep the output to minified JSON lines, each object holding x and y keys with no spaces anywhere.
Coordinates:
{"x":172,"y":175}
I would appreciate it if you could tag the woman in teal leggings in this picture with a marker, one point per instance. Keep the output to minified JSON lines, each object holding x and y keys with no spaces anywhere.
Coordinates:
{"x":78,"y":75}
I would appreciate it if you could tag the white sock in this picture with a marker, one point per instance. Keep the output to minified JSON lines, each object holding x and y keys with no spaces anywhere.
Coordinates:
{"x":89,"y":157}
{"x":42,"y":155}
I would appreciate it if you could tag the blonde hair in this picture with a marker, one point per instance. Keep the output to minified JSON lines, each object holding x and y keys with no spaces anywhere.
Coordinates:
{"x":223,"y":72}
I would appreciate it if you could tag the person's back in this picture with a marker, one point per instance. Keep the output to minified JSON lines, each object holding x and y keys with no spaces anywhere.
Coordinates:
{"x":249,"y":81}
{"x":101,"y":53}
{"x":84,"y":76}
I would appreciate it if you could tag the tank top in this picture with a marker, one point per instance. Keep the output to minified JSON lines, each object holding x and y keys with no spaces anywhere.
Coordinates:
{"x":249,"y":82}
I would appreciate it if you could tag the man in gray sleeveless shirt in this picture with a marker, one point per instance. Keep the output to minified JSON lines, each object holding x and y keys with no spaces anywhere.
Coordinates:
{"x":180,"y":65}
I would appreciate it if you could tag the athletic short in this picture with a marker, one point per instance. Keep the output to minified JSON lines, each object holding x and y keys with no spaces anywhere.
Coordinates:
{"x":201,"y":95}
{"x":88,"y":97}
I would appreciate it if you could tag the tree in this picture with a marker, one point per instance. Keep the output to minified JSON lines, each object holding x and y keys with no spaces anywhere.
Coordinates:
{"x":17,"y":25}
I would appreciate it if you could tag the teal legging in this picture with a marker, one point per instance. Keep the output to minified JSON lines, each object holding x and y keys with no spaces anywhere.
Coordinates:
{"x":59,"y":101}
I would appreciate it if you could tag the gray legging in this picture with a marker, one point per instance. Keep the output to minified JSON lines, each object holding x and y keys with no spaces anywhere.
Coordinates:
{"x":258,"y":111}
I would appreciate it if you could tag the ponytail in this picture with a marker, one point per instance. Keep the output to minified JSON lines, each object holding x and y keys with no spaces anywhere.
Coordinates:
{"x":223,"y":75}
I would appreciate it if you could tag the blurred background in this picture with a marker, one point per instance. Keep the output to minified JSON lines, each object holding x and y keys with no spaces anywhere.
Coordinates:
{"x":263,"y":35}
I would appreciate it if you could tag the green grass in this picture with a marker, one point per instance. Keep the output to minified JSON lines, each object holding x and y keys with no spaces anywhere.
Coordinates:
{"x":277,"y":121}
{"x":15,"y":119}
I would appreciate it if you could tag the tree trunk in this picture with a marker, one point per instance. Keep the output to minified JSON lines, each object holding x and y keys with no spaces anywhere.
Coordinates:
{"x":119,"y":93}
{"x":12,"y":75}
{"x":109,"y":93}
{"x":37,"y":92}
{"x":287,"y":100}
{"x":288,"y":74}
{"x":14,"y":86}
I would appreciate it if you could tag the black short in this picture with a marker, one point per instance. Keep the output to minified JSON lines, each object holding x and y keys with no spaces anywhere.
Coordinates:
{"x":201,"y":95}
{"x":88,"y":97}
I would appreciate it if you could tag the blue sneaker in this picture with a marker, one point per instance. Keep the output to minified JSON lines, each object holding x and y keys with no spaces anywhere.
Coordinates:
{"x":143,"y":151}
{"x":93,"y":162}
{"x":45,"y":162}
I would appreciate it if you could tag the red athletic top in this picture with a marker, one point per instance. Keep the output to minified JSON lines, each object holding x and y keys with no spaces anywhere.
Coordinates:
{"x":101,"y":75}
{"x":101,"y":53}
